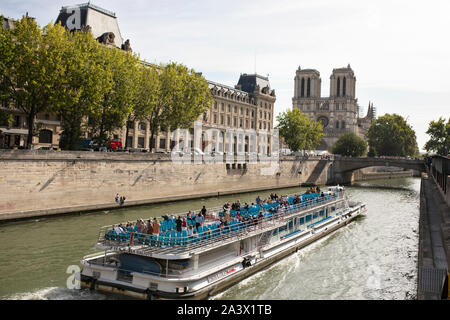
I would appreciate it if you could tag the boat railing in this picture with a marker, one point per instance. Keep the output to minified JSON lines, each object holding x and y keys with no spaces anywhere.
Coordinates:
{"x":210,"y":235}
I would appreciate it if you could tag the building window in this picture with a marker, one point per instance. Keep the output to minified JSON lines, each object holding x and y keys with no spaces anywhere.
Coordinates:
{"x":45,"y":136}
{"x":337,"y":124}
{"x":344,"y":86}
{"x":246,"y":124}
{"x":215,"y":117}
{"x":337,"y":106}
{"x":308,"y":90}
{"x":142,"y":126}
{"x":141,"y":142}
{"x":228,"y":120}
{"x":17,"y":121}
{"x":302,"y":89}
{"x":235,"y":121}
{"x":338,"y":88}
{"x":221,"y":119}
{"x":246,"y":112}
{"x":130,"y":124}
{"x":343,"y":125}
{"x":240,"y":123}
{"x":162,"y":143}
{"x":223,"y":107}
{"x":235,"y":109}
{"x":229,"y":108}
{"x":242,"y":110}
{"x":215,"y":104}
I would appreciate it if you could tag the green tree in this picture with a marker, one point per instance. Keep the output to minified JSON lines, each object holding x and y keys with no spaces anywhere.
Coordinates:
{"x":391,"y":135}
{"x":146,"y":97}
{"x":117,"y":103}
{"x":298,"y":131}
{"x":172,"y":97}
{"x":439,"y":133}
{"x":83,"y":84}
{"x":6,"y":62}
{"x":349,"y":144}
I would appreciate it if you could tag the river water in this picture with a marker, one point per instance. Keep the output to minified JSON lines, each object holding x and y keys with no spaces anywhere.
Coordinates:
{"x":374,"y":257}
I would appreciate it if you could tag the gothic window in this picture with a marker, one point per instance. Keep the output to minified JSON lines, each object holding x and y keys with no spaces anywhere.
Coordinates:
{"x":344,"y":86}
{"x":302,"y":90}
{"x":338,"y":88}
{"x":45,"y":136}
{"x":308,"y":90}
{"x":337,"y":124}
{"x":343,"y":124}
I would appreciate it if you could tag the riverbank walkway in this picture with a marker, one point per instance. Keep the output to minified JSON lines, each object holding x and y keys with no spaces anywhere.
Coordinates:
{"x":434,"y":240}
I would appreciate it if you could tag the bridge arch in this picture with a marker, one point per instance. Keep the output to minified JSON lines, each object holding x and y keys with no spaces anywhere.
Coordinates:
{"x":343,"y":167}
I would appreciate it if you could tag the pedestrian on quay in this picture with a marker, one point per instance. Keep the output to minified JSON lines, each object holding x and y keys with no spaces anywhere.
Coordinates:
{"x":117,"y":198}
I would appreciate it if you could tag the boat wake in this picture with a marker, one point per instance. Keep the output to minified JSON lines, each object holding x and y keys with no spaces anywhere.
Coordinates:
{"x":58,"y":293}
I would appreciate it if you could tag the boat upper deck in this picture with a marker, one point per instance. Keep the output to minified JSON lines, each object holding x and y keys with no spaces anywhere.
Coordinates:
{"x":181,"y":245}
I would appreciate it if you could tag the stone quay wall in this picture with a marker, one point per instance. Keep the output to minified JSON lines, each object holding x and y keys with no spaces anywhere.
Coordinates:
{"x":38,"y":183}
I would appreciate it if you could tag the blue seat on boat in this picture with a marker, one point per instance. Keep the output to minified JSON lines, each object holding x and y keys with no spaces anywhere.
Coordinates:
{"x":183,"y":237}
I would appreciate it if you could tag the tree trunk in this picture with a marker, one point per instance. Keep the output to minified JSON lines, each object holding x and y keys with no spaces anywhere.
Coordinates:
{"x":30,"y":123}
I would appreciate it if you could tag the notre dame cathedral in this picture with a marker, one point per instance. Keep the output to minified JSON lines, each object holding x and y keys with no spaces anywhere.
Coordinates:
{"x":338,"y":113}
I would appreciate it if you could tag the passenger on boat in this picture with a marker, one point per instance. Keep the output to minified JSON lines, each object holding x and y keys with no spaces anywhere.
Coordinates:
{"x":155,"y":227}
{"x":198,"y":220}
{"x":149,"y":227}
{"x":203,"y":212}
{"x":190,"y":231}
{"x":184,"y":224}
{"x":179,"y":224}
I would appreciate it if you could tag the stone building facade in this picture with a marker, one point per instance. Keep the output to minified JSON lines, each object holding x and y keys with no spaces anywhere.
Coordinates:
{"x":338,"y":113}
{"x":248,"y":105}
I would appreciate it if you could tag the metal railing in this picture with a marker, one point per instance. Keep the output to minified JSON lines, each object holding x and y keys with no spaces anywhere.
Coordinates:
{"x":146,"y":244}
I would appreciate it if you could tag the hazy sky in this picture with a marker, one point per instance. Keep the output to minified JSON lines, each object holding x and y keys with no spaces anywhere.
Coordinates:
{"x":399,"y":50}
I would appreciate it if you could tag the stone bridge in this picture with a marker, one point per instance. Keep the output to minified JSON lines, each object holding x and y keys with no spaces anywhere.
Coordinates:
{"x":342,"y":168}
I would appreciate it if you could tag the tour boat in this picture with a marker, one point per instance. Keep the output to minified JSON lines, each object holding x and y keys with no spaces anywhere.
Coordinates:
{"x":175,"y":265}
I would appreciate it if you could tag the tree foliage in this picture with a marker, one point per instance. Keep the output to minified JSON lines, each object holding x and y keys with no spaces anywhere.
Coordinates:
{"x":349,"y":144}
{"x":298,"y":131}
{"x":171,"y":97}
{"x":439,"y":133}
{"x":118,"y":100}
{"x":92,"y":87}
{"x":391,"y":135}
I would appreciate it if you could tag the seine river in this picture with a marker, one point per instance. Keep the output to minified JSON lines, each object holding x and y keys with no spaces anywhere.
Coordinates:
{"x":375,"y":257}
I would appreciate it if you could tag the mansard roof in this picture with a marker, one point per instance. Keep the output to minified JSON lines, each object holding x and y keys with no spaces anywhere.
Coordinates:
{"x":248,"y":82}
{"x":101,"y":21}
